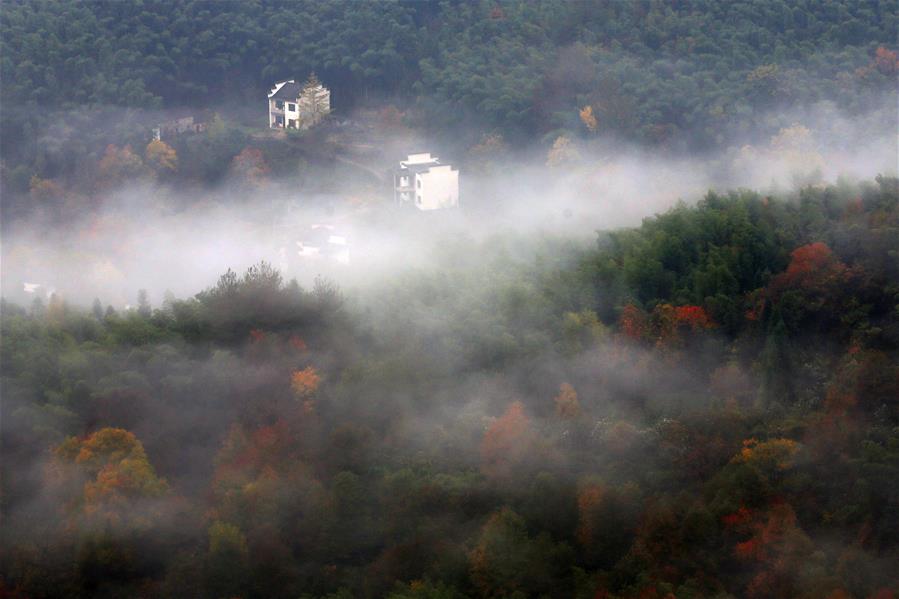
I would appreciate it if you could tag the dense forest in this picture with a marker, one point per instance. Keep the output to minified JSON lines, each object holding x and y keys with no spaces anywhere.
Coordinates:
{"x":703,"y":406}
{"x":511,"y":65}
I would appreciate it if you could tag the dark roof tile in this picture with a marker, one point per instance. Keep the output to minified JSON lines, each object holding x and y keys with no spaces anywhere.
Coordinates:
{"x":290,"y":91}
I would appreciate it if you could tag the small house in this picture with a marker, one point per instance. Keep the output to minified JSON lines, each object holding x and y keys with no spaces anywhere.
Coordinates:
{"x":293,"y":105}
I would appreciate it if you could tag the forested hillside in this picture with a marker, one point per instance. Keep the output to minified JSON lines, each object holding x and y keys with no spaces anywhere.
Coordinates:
{"x":651,"y":71}
{"x":703,"y":406}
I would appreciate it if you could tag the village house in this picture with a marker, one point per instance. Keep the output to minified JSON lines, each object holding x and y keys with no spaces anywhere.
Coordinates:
{"x":293,"y":105}
{"x":180,"y":126}
{"x":423,"y":182}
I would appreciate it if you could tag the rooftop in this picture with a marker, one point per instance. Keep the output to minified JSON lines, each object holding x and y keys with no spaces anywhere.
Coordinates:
{"x":288,"y":90}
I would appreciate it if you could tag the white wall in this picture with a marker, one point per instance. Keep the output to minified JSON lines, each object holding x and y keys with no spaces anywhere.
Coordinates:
{"x":439,"y":188}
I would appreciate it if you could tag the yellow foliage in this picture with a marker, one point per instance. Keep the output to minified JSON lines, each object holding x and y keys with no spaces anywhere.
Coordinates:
{"x":119,"y":164}
{"x":588,"y":118}
{"x":567,"y":405}
{"x":161,"y":157}
{"x":563,"y":152}
{"x":776,"y":454}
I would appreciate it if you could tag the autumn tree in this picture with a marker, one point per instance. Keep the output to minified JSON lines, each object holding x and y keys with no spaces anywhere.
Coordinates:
{"x":115,"y":472}
{"x":161,"y":157}
{"x":305,"y":382}
{"x":778,"y":548}
{"x":120,"y":164}
{"x":769,"y":457}
{"x":633,"y":323}
{"x":812,"y":293}
{"x":812,"y":268}
{"x":675,"y":325}
{"x":507,"y":443}
{"x":886,"y":61}
{"x":588,"y":118}
{"x":562,"y":153}
{"x":566,"y":402}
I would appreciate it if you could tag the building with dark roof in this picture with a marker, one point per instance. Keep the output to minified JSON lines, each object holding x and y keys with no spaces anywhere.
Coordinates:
{"x":293,"y":105}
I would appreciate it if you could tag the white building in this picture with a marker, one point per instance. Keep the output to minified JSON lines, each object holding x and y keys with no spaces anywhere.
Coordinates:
{"x":425,"y":183}
{"x":295,"y":105}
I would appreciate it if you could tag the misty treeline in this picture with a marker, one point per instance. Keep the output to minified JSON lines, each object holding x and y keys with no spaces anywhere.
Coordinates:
{"x":703,"y":406}
{"x":695,"y":74}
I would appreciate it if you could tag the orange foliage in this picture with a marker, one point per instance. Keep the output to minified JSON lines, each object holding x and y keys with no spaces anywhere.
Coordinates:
{"x":812,"y":267}
{"x":304,"y":382}
{"x":567,"y":405}
{"x":115,"y":470}
{"x":694,"y":317}
{"x":507,"y":441}
{"x":633,"y":322}
{"x":886,"y":61}
{"x":739,"y":518}
{"x":297,"y":343}
{"x":674,"y":323}
{"x":244,"y":456}
{"x":776,"y":541}
{"x":780,"y":547}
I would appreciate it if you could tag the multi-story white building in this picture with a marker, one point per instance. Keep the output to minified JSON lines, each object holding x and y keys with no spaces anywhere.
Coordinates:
{"x":293,"y":105}
{"x":426,"y":184}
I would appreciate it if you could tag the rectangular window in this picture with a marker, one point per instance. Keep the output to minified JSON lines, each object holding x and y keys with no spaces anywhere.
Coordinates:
{"x":279,"y":104}
{"x":292,"y":107}
{"x":418,"y":182}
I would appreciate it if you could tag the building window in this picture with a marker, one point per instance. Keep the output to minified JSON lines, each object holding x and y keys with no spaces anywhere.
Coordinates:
{"x":279,"y":104}
{"x":292,"y":107}
{"x":418,"y":182}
